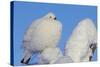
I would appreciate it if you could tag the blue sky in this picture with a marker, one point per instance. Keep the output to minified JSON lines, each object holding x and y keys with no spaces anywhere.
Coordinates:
{"x":68,"y":15}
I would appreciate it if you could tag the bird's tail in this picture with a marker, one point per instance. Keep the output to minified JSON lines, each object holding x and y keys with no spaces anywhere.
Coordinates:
{"x":26,"y":57}
{"x":93,"y":48}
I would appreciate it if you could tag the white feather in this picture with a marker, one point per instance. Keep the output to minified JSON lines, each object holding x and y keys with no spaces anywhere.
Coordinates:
{"x":50,"y":55}
{"x":64,"y":59}
{"x":42,"y":33}
{"x":82,"y":37}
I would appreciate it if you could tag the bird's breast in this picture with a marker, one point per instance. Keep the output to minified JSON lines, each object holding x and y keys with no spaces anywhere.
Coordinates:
{"x":47,"y":29}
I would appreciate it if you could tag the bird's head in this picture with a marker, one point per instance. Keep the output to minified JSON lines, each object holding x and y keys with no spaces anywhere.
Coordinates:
{"x":50,"y":15}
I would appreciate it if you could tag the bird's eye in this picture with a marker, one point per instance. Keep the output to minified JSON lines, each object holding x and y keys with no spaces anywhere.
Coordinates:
{"x":50,"y":17}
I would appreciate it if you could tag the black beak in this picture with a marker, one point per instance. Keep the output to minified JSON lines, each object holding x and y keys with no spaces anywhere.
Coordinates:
{"x":55,"y":18}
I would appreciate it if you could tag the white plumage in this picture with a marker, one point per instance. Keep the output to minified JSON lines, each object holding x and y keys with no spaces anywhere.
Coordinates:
{"x":42,"y":33}
{"x":64,"y":59}
{"x":86,"y":58}
{"x":50,"y":55}
{"x":78,"y":45}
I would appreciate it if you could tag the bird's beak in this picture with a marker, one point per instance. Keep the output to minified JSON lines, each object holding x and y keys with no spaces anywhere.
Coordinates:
{"x":55,"y":18}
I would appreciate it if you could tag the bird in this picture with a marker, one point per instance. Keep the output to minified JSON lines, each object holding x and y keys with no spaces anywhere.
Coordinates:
{"x":50,"y":55}
{"x":43,"y":33}
{"x":83,"y":41}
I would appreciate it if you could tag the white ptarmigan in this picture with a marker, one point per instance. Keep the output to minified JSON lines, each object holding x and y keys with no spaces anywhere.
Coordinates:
{"x":82,"y":42}
{"x":43,"y":33}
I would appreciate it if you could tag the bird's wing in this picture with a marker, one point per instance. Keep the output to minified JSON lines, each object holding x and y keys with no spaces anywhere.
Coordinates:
{"x":30,"y":29}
